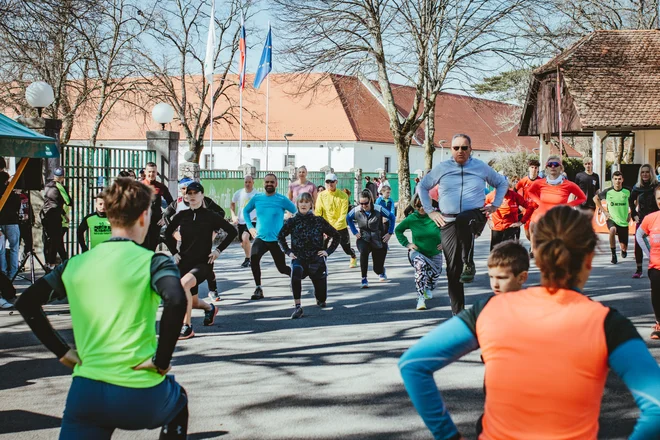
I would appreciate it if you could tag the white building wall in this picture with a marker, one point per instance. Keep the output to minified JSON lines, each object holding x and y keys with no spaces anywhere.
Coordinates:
{"x":646,"y":144}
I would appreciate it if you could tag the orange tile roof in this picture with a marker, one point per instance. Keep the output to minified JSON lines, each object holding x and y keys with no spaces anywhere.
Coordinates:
{"x":340,"y":109}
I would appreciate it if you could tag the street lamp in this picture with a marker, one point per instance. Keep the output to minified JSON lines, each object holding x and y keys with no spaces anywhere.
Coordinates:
{"x":162,"y":113}
{"x":286,"y":138}
{"x":39,"y":95}
{"x":442,"y":149}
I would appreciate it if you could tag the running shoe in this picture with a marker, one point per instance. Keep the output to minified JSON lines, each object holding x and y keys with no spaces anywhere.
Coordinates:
{"x":637,"y":274}
{"x":298,"y":313}
{"x":320,"y":303}
{"x":214,"y":295}
{"x":624,"y":254}
{"x":428,"y":294}
{"x":365,"y":283}
{"x":209,"y":316}
{"x":614,"y":259}
{"x":421,"y":303}
{"x":655,"y":334}
{"x":353,"y":263}
{"x":246,"y":263}
{"x":187,"y":332}
{"x":383,"y":276}
{"x":468,"y":273}
{"x":4,"y":304}
{"x":258,"y":294}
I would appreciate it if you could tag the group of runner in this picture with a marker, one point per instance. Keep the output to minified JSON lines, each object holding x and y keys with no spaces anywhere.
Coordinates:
{"x":522,"y":336}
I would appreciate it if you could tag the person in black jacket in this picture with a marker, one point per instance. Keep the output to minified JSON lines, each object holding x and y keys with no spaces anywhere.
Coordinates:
{"x":195,"y":257}
{"x":160,"y":193}
{"x":589,"y":183}
{"x":9,"y":229}
{"x":642,"y":203}
{"x":55,"y":218}
{"x":307,"y":251}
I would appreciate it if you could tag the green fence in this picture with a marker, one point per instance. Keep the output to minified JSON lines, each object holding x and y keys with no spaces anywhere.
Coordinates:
{"x":88,"y":171}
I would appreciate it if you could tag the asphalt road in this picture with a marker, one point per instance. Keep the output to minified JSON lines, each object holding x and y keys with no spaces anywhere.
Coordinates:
{"x":256,"y":374}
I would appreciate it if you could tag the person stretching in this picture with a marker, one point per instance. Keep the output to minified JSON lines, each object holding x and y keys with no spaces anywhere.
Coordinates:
{"x":372,"y":237}
{"x":195,"y":258}
{"x":547,"y":350}
{"x":642,"y":203}
{"x":648,"y":237}
{"x":97,"y":224}
{"x":270,"y":208}
{"x":424,"y":252}
{"x":505,"y":223}
{"x":616,"y":210}
{"x":119,"y":366}
{"x":332,"y":205}
{"x":306,"y":252}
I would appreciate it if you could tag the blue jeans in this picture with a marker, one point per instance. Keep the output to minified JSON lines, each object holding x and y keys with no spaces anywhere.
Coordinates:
{"x":95,"y":409}
{"x":13,"y":234}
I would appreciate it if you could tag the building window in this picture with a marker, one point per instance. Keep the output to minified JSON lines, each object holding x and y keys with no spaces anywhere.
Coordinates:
{"x":289,"y":160}
{"x":208,"y":161}
{"x":256,"y":163}
{"x":386,"y":165}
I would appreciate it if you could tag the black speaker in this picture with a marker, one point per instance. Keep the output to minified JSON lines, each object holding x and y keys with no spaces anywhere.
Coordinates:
{"x":33,"y":176}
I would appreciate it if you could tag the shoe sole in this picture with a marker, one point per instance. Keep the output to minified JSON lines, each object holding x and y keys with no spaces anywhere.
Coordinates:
{"x":256,"y":298}
{"x":383,"y":280}
{"x":364,"y":287}
{"x":297,"y":317}
{"x":215,"y":312}
{"x":182,"y":338}
{"x":655,"y":336}
{"x":421,"y":308}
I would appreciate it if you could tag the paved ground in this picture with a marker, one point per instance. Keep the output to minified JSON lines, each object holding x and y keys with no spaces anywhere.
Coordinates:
{"x":258,"y":375}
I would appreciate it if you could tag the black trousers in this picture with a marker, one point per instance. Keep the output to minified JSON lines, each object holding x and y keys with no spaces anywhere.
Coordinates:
{"x":458,"y":247}
{"x":344,"y":242}
{"x":317,"y":272}
{"x":654,"y":277}
{"x":259,"y":249}
{"x":152,"y":239}
{"x":26,"y":236}
{"x":497,"y":237}
{"x":53,"y":236}
{"x":7,"y":290}
{"x":377,"y":255}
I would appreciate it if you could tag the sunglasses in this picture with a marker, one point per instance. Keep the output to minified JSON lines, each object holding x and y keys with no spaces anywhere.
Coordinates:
{"x":462,"y":147}
{"x":364,"y":203}
{"x":553,"y":165}
{"x":330,"y":181}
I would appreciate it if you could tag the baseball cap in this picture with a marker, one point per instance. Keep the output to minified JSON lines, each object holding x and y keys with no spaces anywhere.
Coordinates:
{"x":195,"y":186}
{"x":58,"y":171}
{"x":185,"y":182}
{"x":331,"y":176}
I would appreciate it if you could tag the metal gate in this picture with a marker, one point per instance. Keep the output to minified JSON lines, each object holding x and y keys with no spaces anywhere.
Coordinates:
{"x":90,"y":169}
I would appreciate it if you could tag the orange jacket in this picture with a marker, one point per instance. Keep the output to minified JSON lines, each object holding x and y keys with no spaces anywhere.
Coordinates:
{"x":507,"y":213}
{"x":548,"y":196}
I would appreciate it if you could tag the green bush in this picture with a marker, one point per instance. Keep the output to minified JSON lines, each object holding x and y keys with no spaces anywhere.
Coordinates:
{"x":572,"y":166}
{"x":514,"y":163}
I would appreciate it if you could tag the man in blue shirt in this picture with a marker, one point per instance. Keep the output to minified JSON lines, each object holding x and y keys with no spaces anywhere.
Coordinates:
{"x":462,"y":214}
{"x":270,"y":209}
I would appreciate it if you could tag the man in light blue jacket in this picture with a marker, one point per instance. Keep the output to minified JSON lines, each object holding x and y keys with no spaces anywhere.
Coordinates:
{"x":462,"y":215}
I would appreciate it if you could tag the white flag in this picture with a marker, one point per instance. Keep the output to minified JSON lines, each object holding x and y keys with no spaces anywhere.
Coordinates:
{"x":209,"y":66}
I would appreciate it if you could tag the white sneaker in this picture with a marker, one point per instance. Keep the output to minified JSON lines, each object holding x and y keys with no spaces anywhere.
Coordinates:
{"x":421,"y":303}
{"x":428,"y":294}
{"x":4,"y":304}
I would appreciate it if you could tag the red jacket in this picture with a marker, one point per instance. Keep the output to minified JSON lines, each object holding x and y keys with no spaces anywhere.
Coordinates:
{"x":507,"y":214}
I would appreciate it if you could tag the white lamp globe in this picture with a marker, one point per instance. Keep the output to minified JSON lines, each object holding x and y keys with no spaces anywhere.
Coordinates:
{"x":39,"y":95}
{"x":162,"y":113}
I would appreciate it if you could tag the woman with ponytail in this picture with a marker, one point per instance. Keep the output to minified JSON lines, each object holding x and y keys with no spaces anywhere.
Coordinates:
{"x":547,"y":350}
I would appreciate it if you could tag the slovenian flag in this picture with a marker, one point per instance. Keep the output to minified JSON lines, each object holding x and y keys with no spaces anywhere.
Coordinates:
{"x":266,"y":63}
{"x":243,"y":48}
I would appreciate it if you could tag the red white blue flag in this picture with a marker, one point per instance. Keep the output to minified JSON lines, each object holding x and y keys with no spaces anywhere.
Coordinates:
{"x":243,"y":49}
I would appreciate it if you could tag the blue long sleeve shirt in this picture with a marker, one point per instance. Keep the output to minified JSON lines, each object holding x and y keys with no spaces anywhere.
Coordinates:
{"x":350,"y":218}
{"x":461,"y":187}
{"x":270,"y":214}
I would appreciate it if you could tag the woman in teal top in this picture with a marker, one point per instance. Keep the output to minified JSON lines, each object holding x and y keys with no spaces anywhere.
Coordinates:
{"x":424,"y":251}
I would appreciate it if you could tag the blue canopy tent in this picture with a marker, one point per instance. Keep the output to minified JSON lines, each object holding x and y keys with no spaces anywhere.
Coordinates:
{"x":17,"y":140}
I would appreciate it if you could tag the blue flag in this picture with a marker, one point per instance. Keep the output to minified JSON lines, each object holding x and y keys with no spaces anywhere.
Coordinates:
{"x":266,"y":62}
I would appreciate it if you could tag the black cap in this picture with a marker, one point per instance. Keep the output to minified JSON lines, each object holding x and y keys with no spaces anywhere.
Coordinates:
{"x":195,"y":186}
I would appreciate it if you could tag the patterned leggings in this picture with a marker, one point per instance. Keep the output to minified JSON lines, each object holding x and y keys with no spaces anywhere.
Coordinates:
{"x":426,"y":274}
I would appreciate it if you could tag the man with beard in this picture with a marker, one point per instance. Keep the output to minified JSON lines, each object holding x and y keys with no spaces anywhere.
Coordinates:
{"x":270,"y":208}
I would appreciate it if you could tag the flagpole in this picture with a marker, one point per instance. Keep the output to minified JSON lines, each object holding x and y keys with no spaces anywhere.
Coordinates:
{"x":267,"y":105}
{"x":211,"y":136}
{"x":240,"y":136}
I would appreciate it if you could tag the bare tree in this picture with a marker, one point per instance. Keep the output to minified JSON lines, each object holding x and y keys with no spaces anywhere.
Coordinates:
{"x":174,"y":66}
{"x":386,"y":38}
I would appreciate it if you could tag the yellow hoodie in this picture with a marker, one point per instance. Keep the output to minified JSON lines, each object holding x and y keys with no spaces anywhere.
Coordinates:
{"x":333,"y":206}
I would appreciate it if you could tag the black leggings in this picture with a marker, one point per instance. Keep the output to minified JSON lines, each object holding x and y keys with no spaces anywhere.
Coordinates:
{"x":53,"y":236}
{"x":344,"y":242}
{"x":378,"y":257}
{"x":654,"y":277}
{"x":317,"y":273}
{"x":259,"y":249}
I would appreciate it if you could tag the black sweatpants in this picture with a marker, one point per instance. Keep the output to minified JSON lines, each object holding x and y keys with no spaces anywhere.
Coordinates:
{"x":654,"y":277}
{"x":53,"y":236}
{"x":344,"y":242}
{"x":317,"y":273}
{"x":458,"y":247}
{"x":259,"y":249}
{"x":497,"y":237}
{"x":152,"y":239}
{"x":377,"y":255}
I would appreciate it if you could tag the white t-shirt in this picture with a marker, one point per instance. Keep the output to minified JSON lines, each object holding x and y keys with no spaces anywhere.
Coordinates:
{"x":241,"y":199}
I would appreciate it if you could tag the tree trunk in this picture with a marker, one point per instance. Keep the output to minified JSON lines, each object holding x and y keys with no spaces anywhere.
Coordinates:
{"x":197,"y":148}
{"x":630,"y":157}
{"x":619,"y":151}
{"x":429,"y":144}
{"x":403,"y":153}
